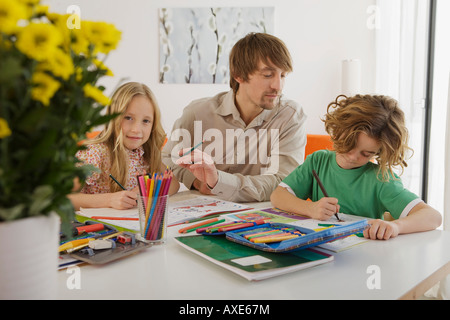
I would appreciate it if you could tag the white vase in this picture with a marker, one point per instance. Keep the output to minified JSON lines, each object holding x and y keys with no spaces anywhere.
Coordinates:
{"x":29,"y":258}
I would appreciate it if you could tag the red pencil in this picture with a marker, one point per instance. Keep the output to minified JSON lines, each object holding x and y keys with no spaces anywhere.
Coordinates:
{"x":114,"y":218}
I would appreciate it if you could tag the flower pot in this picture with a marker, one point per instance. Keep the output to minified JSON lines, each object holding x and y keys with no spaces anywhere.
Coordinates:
{"x":29,"y":258}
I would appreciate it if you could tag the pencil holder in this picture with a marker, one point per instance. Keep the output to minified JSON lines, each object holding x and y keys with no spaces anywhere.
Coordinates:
{"x":153,"y":218}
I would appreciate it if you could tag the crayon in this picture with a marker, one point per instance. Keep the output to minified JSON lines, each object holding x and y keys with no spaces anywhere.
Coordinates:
{"x":275,"y":238}
{"x":264,"y":233}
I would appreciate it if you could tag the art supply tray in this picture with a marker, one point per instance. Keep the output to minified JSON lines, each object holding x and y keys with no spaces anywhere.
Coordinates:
{"x":108,"y":255}
{"x":122,"y":244}
{"x":304,"y":238}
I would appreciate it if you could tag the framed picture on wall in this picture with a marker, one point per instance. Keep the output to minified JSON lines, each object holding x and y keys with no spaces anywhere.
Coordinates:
{"x":195,"y":42}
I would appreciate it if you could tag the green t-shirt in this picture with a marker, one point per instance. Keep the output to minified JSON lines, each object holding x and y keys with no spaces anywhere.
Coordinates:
{"x":359,"y":191}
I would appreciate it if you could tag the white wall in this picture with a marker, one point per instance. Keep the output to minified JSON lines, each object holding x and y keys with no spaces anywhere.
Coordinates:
{"x":319,"y":34}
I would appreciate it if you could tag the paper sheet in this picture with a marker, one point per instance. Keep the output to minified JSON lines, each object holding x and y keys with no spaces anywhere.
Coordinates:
{"x":184,"y":210}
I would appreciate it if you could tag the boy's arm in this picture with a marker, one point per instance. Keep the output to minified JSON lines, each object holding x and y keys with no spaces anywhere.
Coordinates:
{"x":422,"y":217}
{"x":323,"y":209}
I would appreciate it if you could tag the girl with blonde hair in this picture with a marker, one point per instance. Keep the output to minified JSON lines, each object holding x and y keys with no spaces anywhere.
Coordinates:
{"x":130,"y":145}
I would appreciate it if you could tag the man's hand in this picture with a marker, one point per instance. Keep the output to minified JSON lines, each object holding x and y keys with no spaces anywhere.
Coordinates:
{"x":201,"y":165}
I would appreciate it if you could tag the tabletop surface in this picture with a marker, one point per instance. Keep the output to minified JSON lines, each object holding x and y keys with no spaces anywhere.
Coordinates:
{"x":372,"y":270}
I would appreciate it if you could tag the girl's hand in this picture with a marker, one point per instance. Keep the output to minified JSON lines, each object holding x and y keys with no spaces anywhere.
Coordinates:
{"x":324,"y":208}
{"x":123,"y":199}
{"x":381,"y":230}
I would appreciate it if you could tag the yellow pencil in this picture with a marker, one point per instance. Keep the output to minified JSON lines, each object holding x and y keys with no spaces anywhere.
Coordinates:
{"x":273,"y":238}
{"x":73,"y":244}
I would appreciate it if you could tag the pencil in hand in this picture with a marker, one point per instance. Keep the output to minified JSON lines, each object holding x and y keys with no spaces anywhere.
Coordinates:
{"x":193,"y":148}
{"x":111,"y":176}
{"x":323,"y":190}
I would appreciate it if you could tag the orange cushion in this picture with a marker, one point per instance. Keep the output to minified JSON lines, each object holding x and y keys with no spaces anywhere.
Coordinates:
{"x":316,"y":142}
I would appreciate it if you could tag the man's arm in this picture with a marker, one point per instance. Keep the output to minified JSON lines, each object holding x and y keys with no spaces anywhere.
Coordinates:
{"x":284,"y":159}
{"x":286,"y":154}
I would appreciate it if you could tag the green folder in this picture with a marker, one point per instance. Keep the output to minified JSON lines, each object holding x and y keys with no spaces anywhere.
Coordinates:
{"x":250,"y":263}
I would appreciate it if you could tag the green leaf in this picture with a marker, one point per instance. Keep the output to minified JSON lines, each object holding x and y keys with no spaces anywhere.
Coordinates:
{"x":66,"y":212}
{"x":8,"y":214}
{"x":11,"y":68}
{"x":104,"y":119}
{"x":40,"y":199}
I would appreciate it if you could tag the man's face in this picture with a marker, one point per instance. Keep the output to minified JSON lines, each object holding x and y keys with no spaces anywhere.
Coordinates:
{"x":263,"y":88}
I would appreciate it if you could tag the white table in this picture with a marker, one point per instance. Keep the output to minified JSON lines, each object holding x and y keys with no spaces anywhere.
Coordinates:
{"x":407,"y":266}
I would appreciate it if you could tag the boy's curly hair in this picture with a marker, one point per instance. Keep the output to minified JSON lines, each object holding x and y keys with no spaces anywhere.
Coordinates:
{"x":377,"y":116}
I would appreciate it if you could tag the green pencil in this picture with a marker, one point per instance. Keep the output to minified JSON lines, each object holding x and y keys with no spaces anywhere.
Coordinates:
{"x":192,"y":149}
{"x":206,"y":225}
{"x":117,"y":182}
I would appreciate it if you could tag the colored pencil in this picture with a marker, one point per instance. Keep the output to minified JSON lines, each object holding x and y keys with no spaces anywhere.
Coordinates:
{"x":115,"y":180}
{"x":316,"y":176}
{"x":192,"y":149}
{"x":113,"y":218}
{"x":206,"y":225}
{"x":197,"y":225}
{"x":153,"y":192}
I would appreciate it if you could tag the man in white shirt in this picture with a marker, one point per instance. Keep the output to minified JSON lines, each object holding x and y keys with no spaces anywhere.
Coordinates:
{"x":252,"y":138}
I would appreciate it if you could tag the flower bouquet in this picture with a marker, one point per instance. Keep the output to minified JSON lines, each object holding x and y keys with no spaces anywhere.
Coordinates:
{"x":50,"y":66}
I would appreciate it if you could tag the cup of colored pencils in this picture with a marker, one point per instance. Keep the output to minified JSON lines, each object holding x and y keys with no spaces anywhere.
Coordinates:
{"x":153,"y":205}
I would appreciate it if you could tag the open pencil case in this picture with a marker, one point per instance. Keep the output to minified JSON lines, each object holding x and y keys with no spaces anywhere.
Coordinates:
{"x":304,"y":238}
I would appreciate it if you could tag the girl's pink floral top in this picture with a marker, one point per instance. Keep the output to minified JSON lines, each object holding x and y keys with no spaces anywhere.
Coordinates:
{"x":98,"y":155}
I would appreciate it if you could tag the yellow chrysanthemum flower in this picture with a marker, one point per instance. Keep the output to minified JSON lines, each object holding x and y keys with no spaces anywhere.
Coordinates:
{"x":78,"y":73}
{"x":44,"y":87}
{"x":30,"y":2}
{"x":59,"y":21}
{"x":104,"y":36}
{"x":39,"y":40}
{"x":4,"y":129}
{"x":101,"y":66}
{"x":42,"y":9}
{"x":60,"y":64}
{"x":96,"y":94}
{"x":11,"y":12}
{"x":79,"y":43}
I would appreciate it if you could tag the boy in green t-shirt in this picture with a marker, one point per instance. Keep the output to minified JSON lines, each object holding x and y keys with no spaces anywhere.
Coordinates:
{"x":362,"y":128}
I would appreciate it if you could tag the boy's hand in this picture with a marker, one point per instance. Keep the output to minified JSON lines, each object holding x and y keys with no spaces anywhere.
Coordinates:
{"x":324,"y":208}
{"x":381,"y":230}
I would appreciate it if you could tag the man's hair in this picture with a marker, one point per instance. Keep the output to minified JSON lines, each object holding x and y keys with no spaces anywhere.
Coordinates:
{"x":255,"y":47}
{"x":380,"y":118}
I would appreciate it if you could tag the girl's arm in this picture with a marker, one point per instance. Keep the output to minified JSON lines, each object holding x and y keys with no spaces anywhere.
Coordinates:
{"x":118,"y":200}
{"x":422,"y":217}
{"x":321,"y":210}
